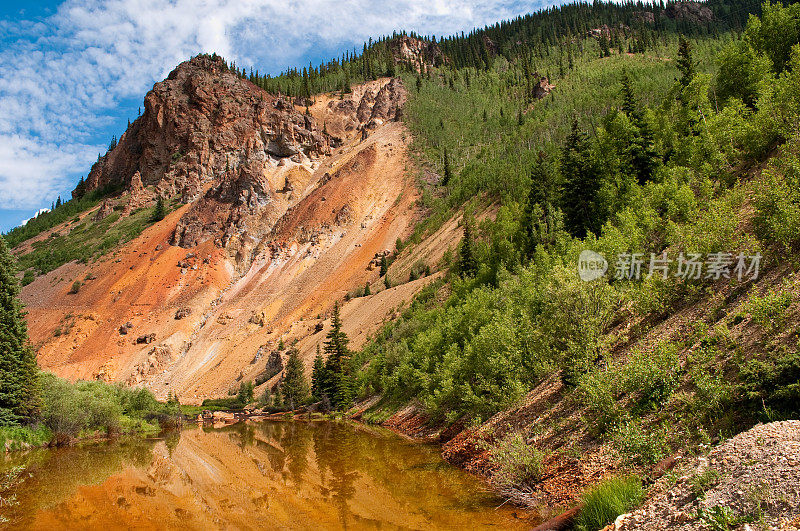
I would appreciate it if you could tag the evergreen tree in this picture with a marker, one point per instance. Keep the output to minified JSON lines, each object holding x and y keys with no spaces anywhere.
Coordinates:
{"x":447,"y":173}
{"x":643,"y":157}
{"x":58,"y":202}
{"x":246,"y":394}
{"x":19,"y":393}
{"x":318,"y":377}
{"x":581,"y":184}
{"x":339,"y":386}
{"x":684,"y":62}
{"x":276,"y":391}
{"x":160,"y":210}
{"x":467,"y":265}
{"x":384,"y":266}
{"x":294,"y":388}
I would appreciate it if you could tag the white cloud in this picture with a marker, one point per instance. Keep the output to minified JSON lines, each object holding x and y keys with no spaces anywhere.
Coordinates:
{"x":63,"y":77}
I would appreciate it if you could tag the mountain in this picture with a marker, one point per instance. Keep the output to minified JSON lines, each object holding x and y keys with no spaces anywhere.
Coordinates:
{"x":279,"y":213}
{"x":564,"y":246}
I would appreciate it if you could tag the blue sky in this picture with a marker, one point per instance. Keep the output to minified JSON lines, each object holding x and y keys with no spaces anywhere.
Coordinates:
{"x":72,"y":73}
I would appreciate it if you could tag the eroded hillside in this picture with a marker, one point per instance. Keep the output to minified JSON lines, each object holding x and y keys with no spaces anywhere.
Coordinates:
{"x":281,"y":210}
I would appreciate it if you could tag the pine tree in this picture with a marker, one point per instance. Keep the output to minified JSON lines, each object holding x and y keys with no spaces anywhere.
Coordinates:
{"x":318,"y":377}
{"x":447,"y":172}
{"x":629,"y":106}
{"x":684,"y":62}
{"x":294,"y":388}
{"x":643,"y":157}
{"x":466,"y":263}
{"x":58,"y":202}
{"x":339,"y":387}
{"x":19,"y":392}
{"x":384,"y":266}
{"x":246,"y":394}
{"x":581,"y":184}
{"x":160,"y":210}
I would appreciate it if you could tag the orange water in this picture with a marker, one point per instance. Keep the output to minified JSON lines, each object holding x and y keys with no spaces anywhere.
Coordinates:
{"x":267,"y":475}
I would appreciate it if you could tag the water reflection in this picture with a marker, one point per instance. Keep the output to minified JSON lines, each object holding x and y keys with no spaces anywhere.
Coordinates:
{"x":253,"y":475}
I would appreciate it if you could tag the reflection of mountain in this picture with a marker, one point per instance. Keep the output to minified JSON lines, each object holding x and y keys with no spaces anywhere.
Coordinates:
{"x":276,"y":474}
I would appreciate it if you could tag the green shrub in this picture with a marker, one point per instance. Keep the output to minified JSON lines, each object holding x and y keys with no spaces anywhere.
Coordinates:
{"x":28,"y":277}
{"x":62,"y":410}
{"x":652,"y":375}
{"x":772,"y":385}
{"x":517,"y":462}
{"x":703,"y":482}
{"x":69,"y":409}
{"x":20,"y":437}
{"x":777,"y":200}
{"x":714,"y":391}
{"x":639,"y":445}
{"x":769,"y":310}
{"x":76,"y":287}
{"x":597,"y":392}
{"x":223,"y":403}
{"x":611,"y":498}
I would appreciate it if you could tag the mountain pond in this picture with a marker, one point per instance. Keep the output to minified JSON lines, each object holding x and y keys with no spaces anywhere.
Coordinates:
{"x":252,"y":475}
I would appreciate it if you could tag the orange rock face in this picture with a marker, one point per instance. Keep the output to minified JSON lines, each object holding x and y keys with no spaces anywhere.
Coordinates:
{"x":278,"y":221}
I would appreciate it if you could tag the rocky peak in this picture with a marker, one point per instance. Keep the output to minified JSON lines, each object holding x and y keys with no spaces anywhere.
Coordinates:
{"x":199,"y":122}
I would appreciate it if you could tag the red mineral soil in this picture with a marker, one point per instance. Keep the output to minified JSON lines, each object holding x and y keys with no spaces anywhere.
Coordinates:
{"x":283,"y":214}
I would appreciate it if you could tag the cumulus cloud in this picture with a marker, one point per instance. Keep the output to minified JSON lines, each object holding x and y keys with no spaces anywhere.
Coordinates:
{"x":62,"y":77}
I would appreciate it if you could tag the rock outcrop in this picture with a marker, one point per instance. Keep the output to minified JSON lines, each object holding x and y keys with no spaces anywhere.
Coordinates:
{"x":199,"y":124}
{"x":416,"y":53}
{"x":691,"y":11}
{"x":542,"y":87}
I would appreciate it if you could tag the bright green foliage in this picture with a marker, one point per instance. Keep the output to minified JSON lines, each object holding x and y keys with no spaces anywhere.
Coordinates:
{"x":741,"y":70}
{"x":775,"y":33}
{"x":777,"y":220}
{"x":606,"y":501}
{"x":70,"y":409}
{"x":295,"y":387}
{"x":638,"y":444}
{"x":22,"y":437}
{"x":19,"y":394}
